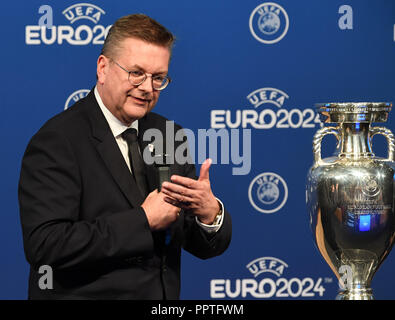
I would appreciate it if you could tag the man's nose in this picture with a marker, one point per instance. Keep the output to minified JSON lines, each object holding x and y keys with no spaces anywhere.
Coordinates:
{"x":147,"y":84}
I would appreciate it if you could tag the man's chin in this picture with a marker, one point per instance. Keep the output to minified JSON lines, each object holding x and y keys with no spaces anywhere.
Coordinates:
{"x":136,"y":112}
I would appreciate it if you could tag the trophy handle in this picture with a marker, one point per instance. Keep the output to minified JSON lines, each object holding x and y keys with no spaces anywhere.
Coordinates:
{"x":320,"y":134}
{"x":390,"y":140}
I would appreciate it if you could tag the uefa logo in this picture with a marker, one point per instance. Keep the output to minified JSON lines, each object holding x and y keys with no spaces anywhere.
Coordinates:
{"x":270,"y":281}
{"x":269,"y":112}
{"x":75,"y":96}
{"x":269,"y":23}
{"x":269,"y":96}
{"x":268,"y":192}
{"x":83,"y":28}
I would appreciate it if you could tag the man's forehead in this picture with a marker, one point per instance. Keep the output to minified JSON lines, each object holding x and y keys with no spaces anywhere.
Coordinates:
{"x":131,"y":45}
{"x":134,"y":51}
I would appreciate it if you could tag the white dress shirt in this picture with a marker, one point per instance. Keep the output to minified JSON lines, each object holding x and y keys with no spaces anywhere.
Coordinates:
{"x":117,"y":128}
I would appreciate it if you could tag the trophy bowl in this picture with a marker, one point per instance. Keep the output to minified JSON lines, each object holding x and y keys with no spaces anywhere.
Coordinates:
{"x":350,"y":196}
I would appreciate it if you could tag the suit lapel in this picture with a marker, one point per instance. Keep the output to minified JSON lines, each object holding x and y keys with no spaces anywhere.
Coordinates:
{"x":109,"y":151}
{"x":111,"y":155}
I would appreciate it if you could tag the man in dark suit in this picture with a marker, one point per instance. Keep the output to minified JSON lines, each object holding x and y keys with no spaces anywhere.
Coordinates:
{"x":85,"y":210}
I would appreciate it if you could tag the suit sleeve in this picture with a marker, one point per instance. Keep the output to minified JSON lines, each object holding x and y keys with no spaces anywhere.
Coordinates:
{"x":200,"y":243}
{"x":50,"y":189}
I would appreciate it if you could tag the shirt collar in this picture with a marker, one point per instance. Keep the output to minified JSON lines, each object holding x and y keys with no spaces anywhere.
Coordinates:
{"x":116,"y":126}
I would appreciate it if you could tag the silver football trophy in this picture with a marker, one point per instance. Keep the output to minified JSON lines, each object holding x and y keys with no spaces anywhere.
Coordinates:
{"x":350,"y":196}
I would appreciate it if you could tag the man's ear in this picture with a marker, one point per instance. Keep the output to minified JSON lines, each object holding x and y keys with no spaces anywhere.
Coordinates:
{"x":102,"y":68}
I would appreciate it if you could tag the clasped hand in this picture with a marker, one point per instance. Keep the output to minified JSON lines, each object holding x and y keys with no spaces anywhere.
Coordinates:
{"x":193,"y":195}
{"x":162,"y":208}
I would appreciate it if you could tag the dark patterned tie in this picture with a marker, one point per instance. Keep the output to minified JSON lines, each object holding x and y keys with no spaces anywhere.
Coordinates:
{"x":136,"y":160}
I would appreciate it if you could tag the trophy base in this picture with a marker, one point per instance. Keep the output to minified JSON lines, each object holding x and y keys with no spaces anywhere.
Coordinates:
{"x":355,"y":294}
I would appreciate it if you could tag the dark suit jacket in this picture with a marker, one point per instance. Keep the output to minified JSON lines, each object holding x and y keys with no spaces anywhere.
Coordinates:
{"x":81,"y":214}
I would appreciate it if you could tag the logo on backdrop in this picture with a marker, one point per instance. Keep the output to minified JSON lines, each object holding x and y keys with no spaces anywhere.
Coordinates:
{"x":269,"y":23}
{"x":75,"y":96}
{"x":76,"y":33}
{"x":268,"y":112}
{"x":268,"y":281}
{"x":268,"y":192}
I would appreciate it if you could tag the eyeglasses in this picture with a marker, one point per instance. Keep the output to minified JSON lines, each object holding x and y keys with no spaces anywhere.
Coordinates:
{"x":137,"y":77}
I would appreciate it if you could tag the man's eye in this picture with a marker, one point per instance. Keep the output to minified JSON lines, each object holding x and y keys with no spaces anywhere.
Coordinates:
{"x":136,"y":73}
{"x":158,"y":78}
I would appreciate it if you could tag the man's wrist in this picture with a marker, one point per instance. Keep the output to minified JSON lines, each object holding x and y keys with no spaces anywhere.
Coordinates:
{"x":218,"y":216}
{"x":216,"y":225}
{"x":211,"y":219}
